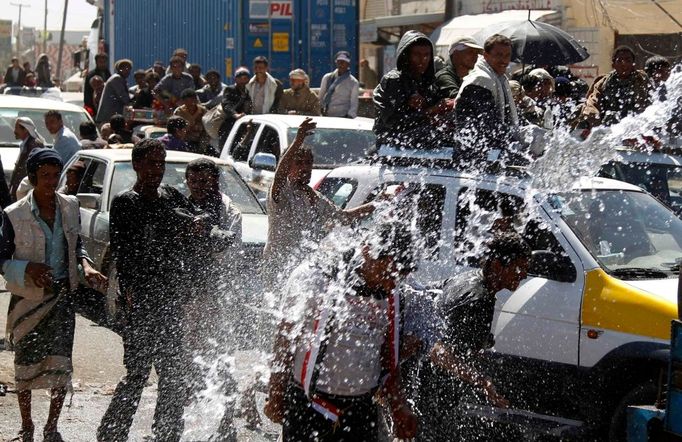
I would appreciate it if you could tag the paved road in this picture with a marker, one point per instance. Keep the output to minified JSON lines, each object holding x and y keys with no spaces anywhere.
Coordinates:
{"x":97,"y":368}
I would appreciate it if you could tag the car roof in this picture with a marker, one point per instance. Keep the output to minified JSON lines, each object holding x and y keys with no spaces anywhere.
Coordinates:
{"x":123,"y":155}
{"x":14,"y":101}
{"x":639,"y":156}
{"x":581,"y":184}
{"x":287,"y":121}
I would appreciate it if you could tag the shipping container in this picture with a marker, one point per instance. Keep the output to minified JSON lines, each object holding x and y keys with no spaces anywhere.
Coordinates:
{"x":225,"y":34}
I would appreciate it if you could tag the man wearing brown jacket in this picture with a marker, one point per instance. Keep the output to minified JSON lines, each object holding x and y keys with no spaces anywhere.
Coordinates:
{"x":299,"y":99}
{"x":621,"y":92}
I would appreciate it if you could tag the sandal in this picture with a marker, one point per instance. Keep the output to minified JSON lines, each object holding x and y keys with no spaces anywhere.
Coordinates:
{"x":25,"y":435}
{"x":52,"y":436}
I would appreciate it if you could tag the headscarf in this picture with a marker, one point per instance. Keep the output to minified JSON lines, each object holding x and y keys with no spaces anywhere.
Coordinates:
{"x":41,"y":156}
{"x":30,"y":126}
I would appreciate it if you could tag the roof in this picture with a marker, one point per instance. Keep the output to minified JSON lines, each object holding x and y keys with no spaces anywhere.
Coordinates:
{"x":172,"y":156}
{"x":638,"y":156}
{"x":643,"y":16}
{"x":15,"y":101}
{"x":582,"y":184}
{"x":359,"y":123}
{"x":595,"y":183}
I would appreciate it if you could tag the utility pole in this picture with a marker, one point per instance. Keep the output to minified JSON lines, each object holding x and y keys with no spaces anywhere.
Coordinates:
{"x":61,"y":42}
{"x":45,"y":30}
{"x":20,"y":6}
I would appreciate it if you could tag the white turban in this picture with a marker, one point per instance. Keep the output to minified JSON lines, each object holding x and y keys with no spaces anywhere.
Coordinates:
{"x":28,"y":124}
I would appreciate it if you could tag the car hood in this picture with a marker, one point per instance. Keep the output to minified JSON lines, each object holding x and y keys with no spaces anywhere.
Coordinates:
{"x":254,"y":228}
{"x":662,"y":288}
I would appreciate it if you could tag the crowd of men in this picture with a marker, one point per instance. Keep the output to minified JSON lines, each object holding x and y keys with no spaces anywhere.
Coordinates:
{"x":349,"y":320}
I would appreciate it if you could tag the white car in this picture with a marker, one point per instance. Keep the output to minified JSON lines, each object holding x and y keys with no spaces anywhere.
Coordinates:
{"x":336,"y":142}
{"x":586,"y":333}
{"x":110,"y":171}
{"x":657,"y":172}
{"x":12,"y":106}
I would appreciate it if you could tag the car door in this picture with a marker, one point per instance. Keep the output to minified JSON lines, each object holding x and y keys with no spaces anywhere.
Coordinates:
{"x":541,"y":319}
{"x":267,"y":141}
{"x":239,"y":148}
{"x":94,"y":181}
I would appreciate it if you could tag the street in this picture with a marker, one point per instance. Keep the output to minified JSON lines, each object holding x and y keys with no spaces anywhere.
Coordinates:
{"x":97,"y":357}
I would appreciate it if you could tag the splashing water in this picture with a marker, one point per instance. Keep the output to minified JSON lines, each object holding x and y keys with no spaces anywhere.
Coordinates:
{"x":565,"y":158}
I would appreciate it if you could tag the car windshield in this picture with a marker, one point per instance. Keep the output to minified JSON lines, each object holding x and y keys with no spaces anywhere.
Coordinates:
{"x":663,"y":181}
{"x":630,"y":233}
{"x":336,"y":147}
{"x":230,"y":184}
{"x":8,"y":115}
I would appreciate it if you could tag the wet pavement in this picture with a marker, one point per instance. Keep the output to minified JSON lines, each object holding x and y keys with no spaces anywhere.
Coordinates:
{"x":97,"y":360}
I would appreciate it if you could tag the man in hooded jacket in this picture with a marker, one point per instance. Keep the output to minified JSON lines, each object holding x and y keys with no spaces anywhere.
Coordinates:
{"x":407,"y":99}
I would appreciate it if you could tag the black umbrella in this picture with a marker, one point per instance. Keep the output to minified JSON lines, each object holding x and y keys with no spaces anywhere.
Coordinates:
{"x":537,"y":43}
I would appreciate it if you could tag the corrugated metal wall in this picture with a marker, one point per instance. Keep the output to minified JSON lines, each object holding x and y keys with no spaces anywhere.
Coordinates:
{"x":149,"y":30}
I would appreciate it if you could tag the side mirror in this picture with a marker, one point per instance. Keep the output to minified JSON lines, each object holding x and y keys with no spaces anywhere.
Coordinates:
{"x":554,"y":266}
{"x":89,"y":200}
{"x":264,"y":161}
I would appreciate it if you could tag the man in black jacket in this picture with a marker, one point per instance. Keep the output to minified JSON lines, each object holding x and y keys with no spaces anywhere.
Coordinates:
{"x":407,"y":100}
{"x":236,"y":102}
{"x":464,"y":52}
{"x":150,"y":237}
{"x":101,"y":69}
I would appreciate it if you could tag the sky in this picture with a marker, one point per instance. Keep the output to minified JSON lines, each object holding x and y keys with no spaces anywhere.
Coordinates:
{"x":79,"y":16}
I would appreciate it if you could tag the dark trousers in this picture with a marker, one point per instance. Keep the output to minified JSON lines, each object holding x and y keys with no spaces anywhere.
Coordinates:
{"x":145,"y":346}
{"x":302,"y":423}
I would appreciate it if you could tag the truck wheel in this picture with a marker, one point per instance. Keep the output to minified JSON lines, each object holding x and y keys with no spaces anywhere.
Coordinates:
{"x":644,"y":393}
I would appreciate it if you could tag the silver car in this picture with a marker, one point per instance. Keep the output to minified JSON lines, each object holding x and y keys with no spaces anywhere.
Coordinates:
{"x":110,"y":171}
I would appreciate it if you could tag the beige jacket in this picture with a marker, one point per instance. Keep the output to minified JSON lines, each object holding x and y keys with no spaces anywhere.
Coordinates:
{"x":302,"y":102}
{"x":29,"y":240}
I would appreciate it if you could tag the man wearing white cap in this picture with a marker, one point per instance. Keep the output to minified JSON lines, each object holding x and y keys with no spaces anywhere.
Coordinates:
{"x":299,"y":99}
{"x":339,"y":90}
{"x":24,"y":130}
{"x":464,"y":52}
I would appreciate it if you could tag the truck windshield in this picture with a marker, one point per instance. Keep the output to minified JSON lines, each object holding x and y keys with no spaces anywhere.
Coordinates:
{"x":337,"y":147}
{"x":631,"y":234}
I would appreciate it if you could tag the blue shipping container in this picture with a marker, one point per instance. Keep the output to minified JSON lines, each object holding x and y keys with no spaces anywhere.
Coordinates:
{"x":225,"y":34}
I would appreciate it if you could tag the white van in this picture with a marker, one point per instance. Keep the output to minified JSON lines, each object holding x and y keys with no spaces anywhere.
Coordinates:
{"x":336,"y":142}
{"x":586,"y":333}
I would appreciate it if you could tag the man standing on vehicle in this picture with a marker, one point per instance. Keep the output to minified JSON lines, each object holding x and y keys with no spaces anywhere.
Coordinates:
{"x":339,"y":90}
{"x":264,"y":89}
{"x":621,"y":92}
{"x":407,"y":100}
{"x":15,"y":75}
{"x":170,"y":87}
{"x":101,"y":70}
{"x":485,"y":107}
{"x":299,"y":99}
{"x":340,"y":334}
{"x":150,"y":233}
{"x":65,"y":142}
{"x":236,"y":102}
{"x":464,"y":52}
{"x":115,"y":96}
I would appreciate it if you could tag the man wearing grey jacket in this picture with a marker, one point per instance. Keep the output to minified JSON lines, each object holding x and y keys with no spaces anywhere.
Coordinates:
{"x":115,"y":96}
{"x":339,"y":90}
